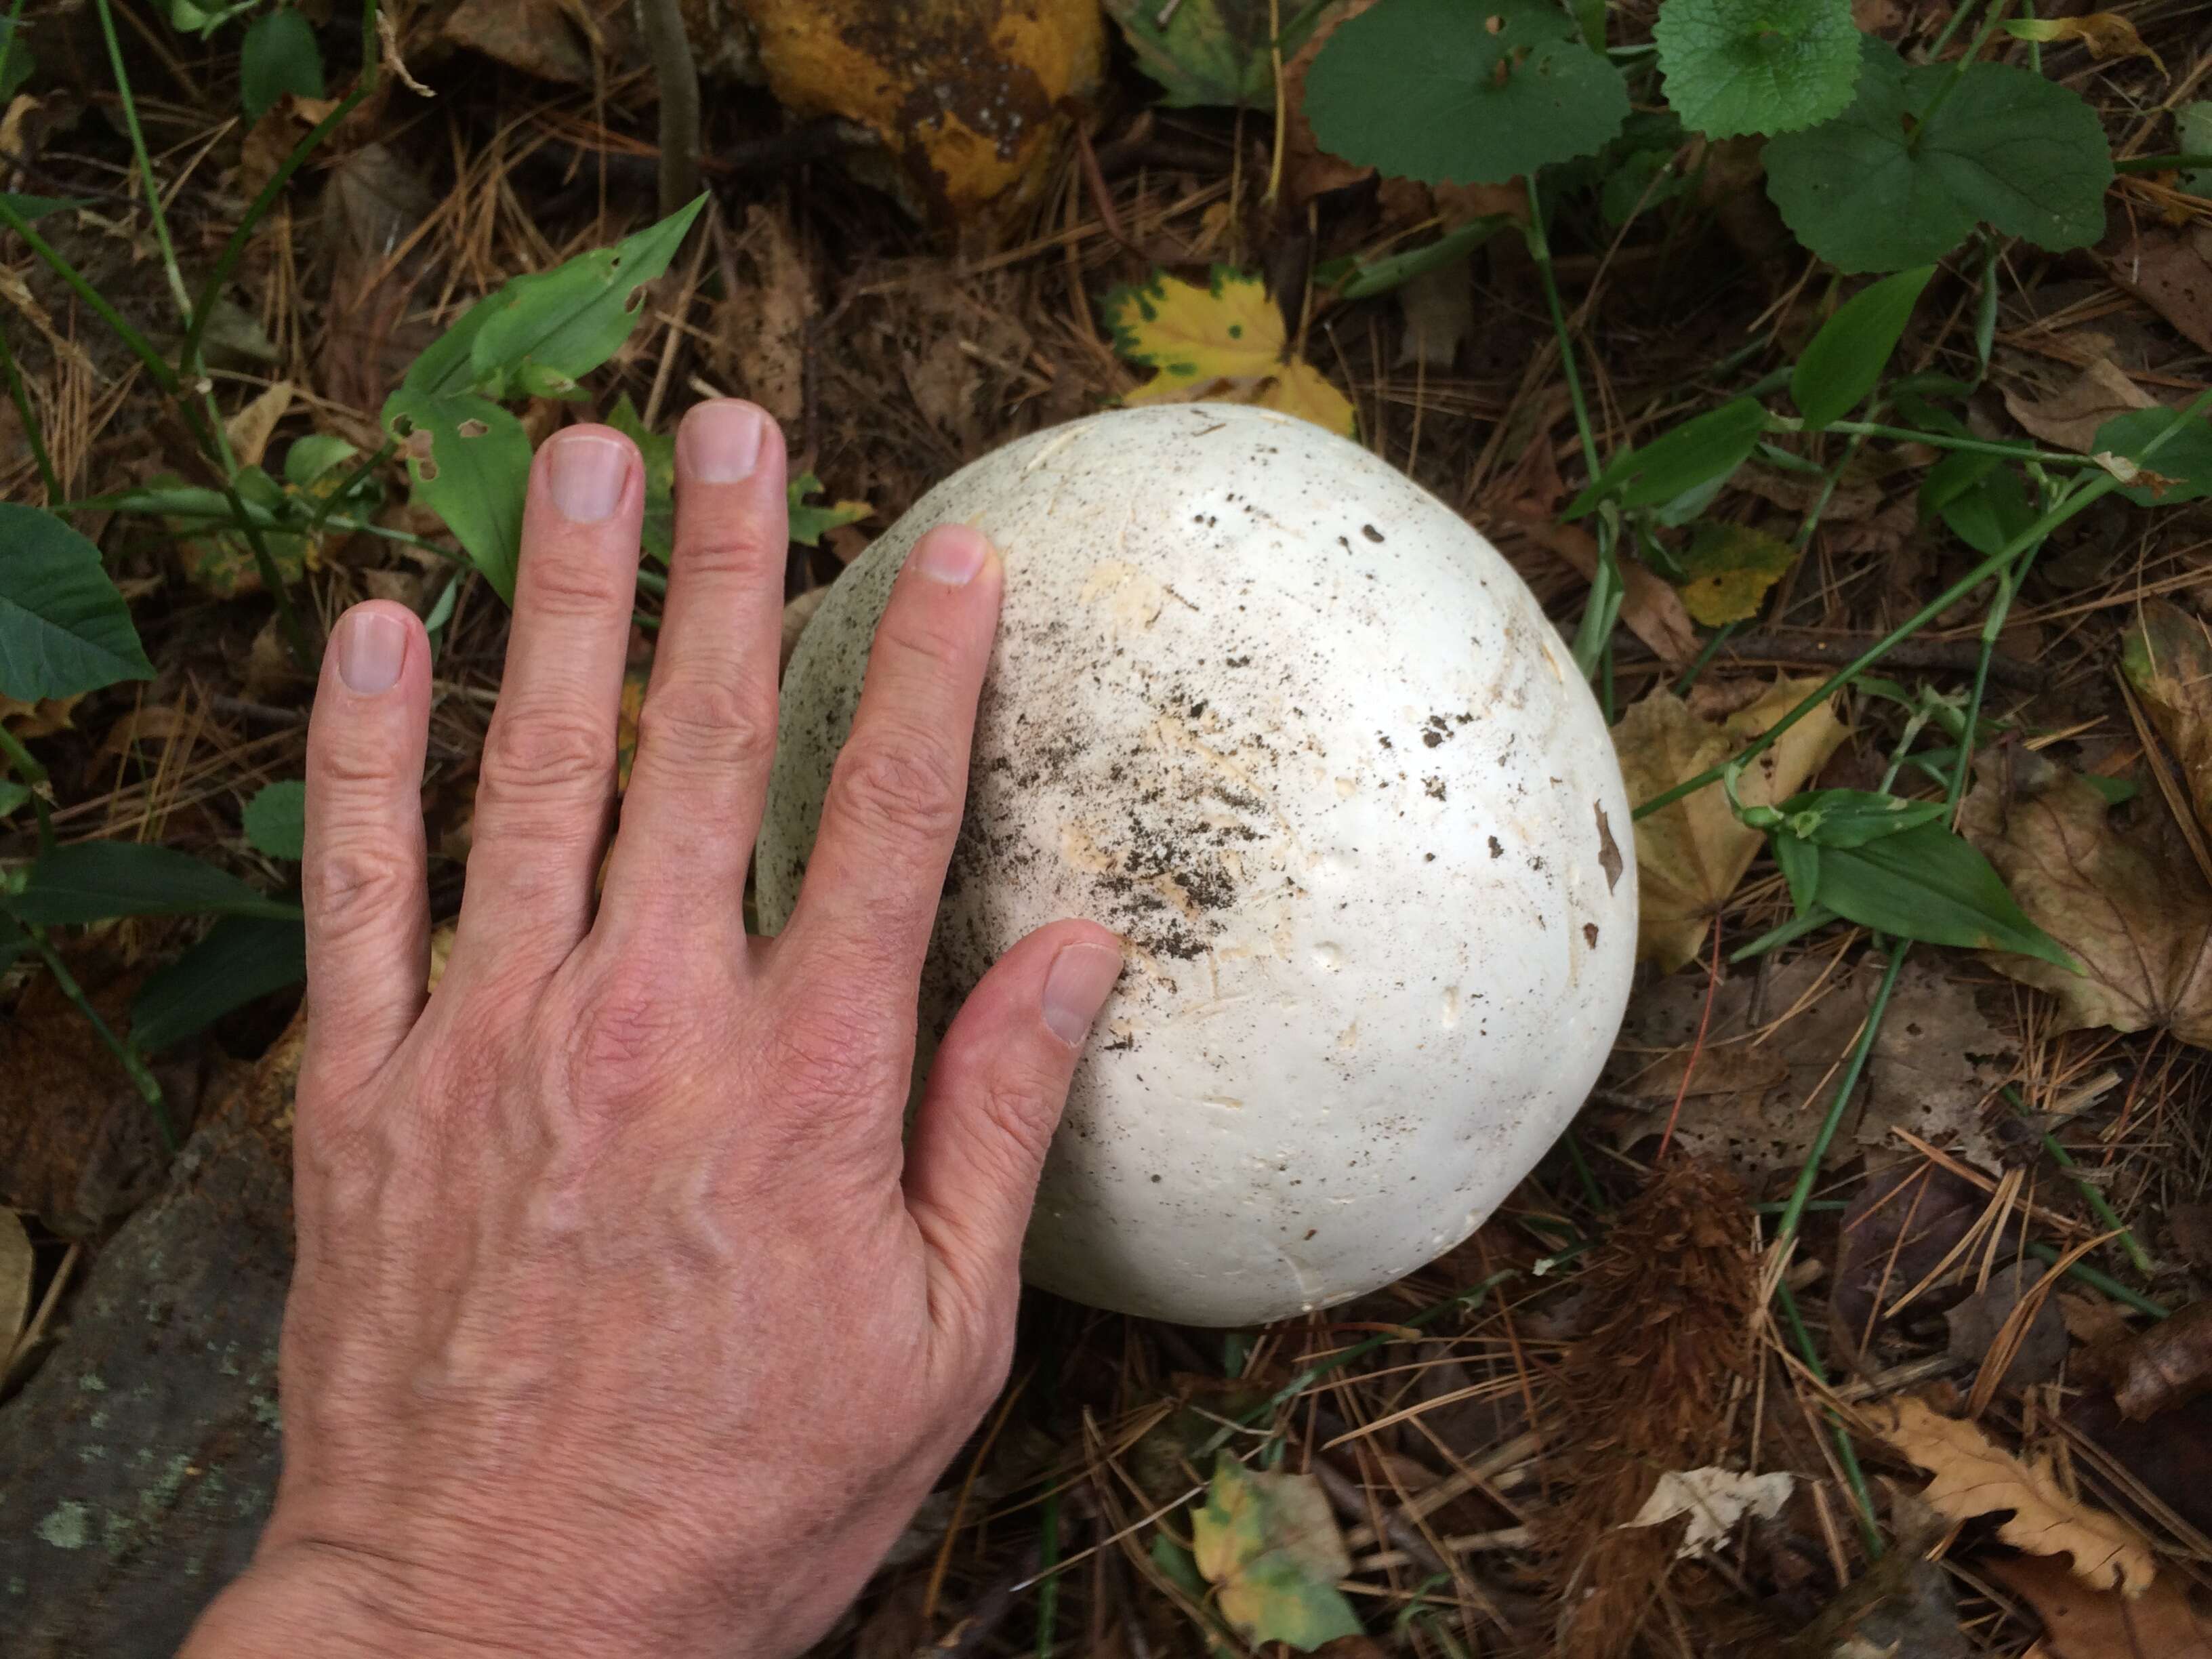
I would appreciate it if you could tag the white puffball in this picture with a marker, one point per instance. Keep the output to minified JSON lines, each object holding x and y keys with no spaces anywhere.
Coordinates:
{"x":1283,"y":720}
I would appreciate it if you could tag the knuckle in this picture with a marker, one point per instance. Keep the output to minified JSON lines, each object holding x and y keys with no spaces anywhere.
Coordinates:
{"x":1017,"y":1117}
{"x":899,"y":790}
{"x":741,"y":553}
{"x":530,"y":753}
{"x":572,"y":584}
{"x":624,"y":1035}
{"x":818,"y":1052}
{"x":698,"y":720}
{"x":356,"y":886}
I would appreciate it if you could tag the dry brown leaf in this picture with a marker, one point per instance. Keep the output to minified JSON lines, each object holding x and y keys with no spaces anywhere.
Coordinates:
{"x":1439,"y":312}
{"x":1973,"y":1329}
{"x":1649,"y":608}
{"x":1690,"y":855}
{"x":1975,"y":1477}
{"x":2166,"y":1364}
{"x":250,"y":428}
{"x":2106,"y":34}
{"x":2081,"y":1623}
{"x":2069,"y":416}
{"x":2167,"y":657}
{"x":2093,"y":1321}
{"x":2170,"y":271}
{"x":760,"y":327}
{"x":1937,"y":1061}
{"x":2130,"y":906}
{"x":15,"y":1267}
{"x":539,"y":37}
{"x":42,"y":719}
{"x":1308,"y":169}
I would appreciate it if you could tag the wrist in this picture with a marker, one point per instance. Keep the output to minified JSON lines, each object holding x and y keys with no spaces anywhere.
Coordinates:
{"x":315,"y":1604}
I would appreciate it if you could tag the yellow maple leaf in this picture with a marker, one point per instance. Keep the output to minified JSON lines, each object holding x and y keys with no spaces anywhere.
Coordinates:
{"x":1225,"y":341}
{"x":1689,"y":856}
{"x":1975,"y":1477}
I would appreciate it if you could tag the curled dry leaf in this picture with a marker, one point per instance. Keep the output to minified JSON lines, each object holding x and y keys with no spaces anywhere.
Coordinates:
{"x":2106,"y":34}
{"x":2069,"y":416}
{"x":1973,"y":1476}
{"x":2129,"y":906}
{"x":1715,"y":1499}
{"x":2168,"y":658}
{"x":2081,"y":1623}
{"x":2162,"y":1367}
{"x":15,"y":1266}
{"x":1690,"y":855}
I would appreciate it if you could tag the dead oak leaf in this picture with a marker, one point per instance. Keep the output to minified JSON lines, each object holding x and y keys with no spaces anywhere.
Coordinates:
{"x":2130,"y":906}
{"x":2081,"y":1623}
{"x":2071,"y":416}
{"x":1974,"y":1477}
{"x":1225,"y":341}
{"x":1690,"y":855}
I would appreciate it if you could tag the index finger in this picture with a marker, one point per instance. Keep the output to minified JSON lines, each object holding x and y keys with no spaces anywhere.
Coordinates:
{"x":896,"y":793}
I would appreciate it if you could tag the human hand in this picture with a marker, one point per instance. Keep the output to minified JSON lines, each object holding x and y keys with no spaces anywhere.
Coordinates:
{"x":624,"y":1320}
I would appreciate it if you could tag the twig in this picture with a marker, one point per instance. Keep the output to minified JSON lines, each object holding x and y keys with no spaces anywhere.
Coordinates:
{"x":670,"y":49}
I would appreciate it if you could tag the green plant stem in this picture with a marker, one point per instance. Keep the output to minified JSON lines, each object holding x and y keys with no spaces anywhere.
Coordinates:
{"x":1992,"y":625}
{"x":149,"y":1087}
{"x":140,"y":346}
{"x":2099,"y":1205}
{"x":19,"y":395}
{"x":234,"y":250}
{"x":34,"y":778}
{"x":176,"y":276}
{"x":2102,"y":1281}
{"x":1951,"y":25}
{"x":1971,"y":445}
{"x":1793,"y":1211}
{"x":2187,"y":160}
{"x":1846,"y":1452}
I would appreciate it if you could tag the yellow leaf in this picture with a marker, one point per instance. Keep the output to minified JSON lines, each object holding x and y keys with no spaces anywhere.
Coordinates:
{"x":1730,"y":567}
{"x":1975,"y":1478}
{"x":249,"y":431}
{"x":2106,"y":34}
{"x":1267,"y":1543}
{"x":1225,"y":341}
{"x":1690,"y":856}
{"x":26,"y":720}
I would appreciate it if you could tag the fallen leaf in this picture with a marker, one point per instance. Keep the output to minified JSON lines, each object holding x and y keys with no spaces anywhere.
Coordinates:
{"x":1937,"y":1061}
{"x":1438,"y":307}
{"x":1649,"y":608}
{"x":1267,"y":1541}
{"x":2166,"y":1364}
{"x":1900,"y":1225}
{"x":2171,"y":1455}
{"x":1308,"y":169}
{"x":760,"y":324}
{"x":1974,"y":1326}
{"x":1690,"y":855}
{"x":2106,"y":34}
{"x":250,"y":429}
{"x":539,"y":37}
{"x":1208,"y":54}
{"x":2093,"y":1321}
{"x":2170,"y":271}
{"x":969,"y":98}
{"x":2069,"y":417}
{"x":2129,"y":906}
{"x":2167,"y":657}
{"x":1973,"y":1476}
{"x":1903,"y":1607}
{"x":1730,"y":567}
{"x":16,"y":1263}
{"x":1715,"y":1499}
{"x":1225,"y":340}
{"x":42,"y":719}
{"x":2081,"y":1623}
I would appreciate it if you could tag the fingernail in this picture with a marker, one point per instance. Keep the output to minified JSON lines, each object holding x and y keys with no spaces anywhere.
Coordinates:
{"x":952,"y":554}
{"x":586,"y":474}
{"x":721,"y":441}
{"x":372,"y":646}
{"x":1075,"y":989}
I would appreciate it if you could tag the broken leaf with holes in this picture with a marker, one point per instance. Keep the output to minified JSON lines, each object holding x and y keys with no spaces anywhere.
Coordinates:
{"x":1267,"y":1543}
{"x":468,"y":458}
{"x":1225,"y":341}
{"x":2127,"y":902}
{"x":1974,"y":1477}
{"x":1690,"y":855}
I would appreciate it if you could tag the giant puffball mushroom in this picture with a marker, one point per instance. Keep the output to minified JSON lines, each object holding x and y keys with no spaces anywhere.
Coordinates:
{"x":1287,"y":724}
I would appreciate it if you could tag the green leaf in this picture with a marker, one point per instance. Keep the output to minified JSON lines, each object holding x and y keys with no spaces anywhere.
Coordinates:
{"x":20,"y":63}
{"x":659,"y":454}
{"x":2182,"y":464}
{"x":28,"y":208}
{"x":809,"y":521}
{"x":12,"y":795}
{"x":1846,"y":358}
{"x":2192,"y":131}
{"x":469,"y":460}
{"x":1268,"y":1544}
{"x":1928,"y":883}
{"x":548,"y":330}
{"x":277,"y":819}
{"x":1852,"y":817}
{"x":1425,"y":89}
{"x":95,"y":880}
{"x":278,"y":55}
{"x":1700,"y":453}
{"x":63,"y":629}
{"x":1211,"y":53}
{"x":1894,"y":181}
{"x":1738,"y":66}
{"x":1726,"y":570}
{"x":311,"y":457}
{"x":1988,"y":512}
{"x":241,"y":958}
{"x":1800,"y":863}
{"x":445,"y":365}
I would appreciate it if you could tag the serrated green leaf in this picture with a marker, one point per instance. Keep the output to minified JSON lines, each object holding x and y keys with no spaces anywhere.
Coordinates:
{"x":96,"y":880}
{"x":1896,"y":181}
{"x":1269,"y":1544}
{"x":548,"y":330}
{"x":1727,"y":569}
{"x":63,"y":629}
{"x":1426,"y":90}
{"x":469,"y":460}
{"x":1211,"y":53}
{"x":275,"y":819}
{"x":1845,"y":359}
{"x":241,"y":958}
{"x":1930,"y":884}
{"x":2182,"y":463}
{"x":278,"y":55}
{"x":1739,"y":66}
{"x":1700,"y":453}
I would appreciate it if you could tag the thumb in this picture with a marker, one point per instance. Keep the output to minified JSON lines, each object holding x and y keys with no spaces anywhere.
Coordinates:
{"x":993,"y":1100}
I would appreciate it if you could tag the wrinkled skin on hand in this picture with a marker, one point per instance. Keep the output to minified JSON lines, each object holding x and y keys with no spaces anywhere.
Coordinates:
{"x":625,"y":1320}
